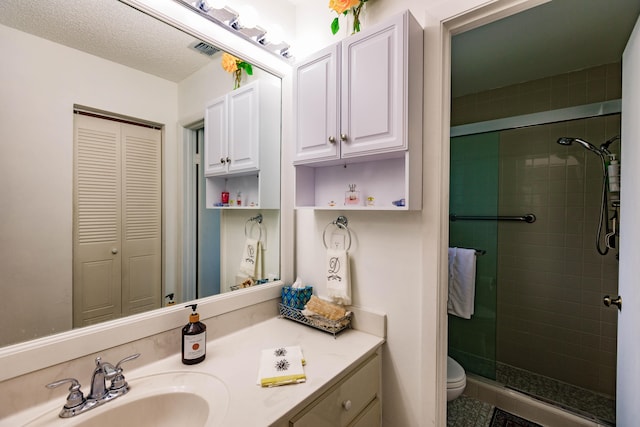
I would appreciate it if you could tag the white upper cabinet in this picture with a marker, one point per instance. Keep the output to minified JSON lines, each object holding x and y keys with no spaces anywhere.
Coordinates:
{"x":242,"y":146}
{"x":231,"y":132}
{"x":358,"y":105}
{"x":316,"y":106}
{"x":373,"y":91}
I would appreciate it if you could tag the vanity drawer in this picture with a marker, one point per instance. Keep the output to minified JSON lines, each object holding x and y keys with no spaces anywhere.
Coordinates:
{"x":370,"y":416}
{"x":346,"y":401}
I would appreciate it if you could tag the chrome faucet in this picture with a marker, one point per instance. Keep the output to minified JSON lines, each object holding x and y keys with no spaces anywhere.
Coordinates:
{"x":76,"y":402}
{"x":104,"y":371}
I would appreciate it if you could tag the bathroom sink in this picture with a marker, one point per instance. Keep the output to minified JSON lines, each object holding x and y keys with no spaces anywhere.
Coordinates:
{"x":167,"y":399}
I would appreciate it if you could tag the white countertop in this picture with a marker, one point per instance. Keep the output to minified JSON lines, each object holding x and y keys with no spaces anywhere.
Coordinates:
{"x":234,"y":359}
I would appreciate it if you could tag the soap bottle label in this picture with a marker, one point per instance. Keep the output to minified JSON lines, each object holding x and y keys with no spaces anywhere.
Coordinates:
{"x":194,"y":345}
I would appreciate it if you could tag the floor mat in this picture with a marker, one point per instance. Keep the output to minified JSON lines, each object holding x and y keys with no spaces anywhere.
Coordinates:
{"x":505,"y":419}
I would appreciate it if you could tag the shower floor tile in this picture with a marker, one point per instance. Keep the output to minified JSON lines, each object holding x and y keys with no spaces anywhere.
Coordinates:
{"x":466,"y":411}
{"x":576,"y":399}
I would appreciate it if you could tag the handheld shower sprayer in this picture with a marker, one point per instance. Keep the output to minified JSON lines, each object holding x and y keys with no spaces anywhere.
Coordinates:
{"x":604,"y":212}
{"x":587,"y":145}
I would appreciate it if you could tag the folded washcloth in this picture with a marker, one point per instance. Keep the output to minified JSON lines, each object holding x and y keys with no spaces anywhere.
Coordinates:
{"x":281,"y":366}
{"x":338,"y":277}
{"x":462,"y":282}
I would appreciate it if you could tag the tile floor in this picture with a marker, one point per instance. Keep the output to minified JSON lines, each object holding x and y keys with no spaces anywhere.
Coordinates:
{"x":466,"y":411}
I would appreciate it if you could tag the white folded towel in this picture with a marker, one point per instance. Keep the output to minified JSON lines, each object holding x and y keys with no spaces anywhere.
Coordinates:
{"x":338,"y":276}
{"x":280,"y":366}
{"x":249,"y":261}
{"x":462,"y":282}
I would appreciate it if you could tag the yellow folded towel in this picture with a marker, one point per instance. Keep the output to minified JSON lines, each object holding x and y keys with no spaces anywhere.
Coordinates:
{"x":281,"y":366}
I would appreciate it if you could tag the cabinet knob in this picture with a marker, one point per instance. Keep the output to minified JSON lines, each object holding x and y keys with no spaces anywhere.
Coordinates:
{"x":346,"y":405}
{"x":222,"y":160}
{"x":228,"y":160}
{"x":114,"y":250}
{"x":343,"y":136}
{"x":332,"y":139}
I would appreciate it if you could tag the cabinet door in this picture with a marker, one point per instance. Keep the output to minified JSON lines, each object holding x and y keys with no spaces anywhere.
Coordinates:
{"x":215,"y":138}
{"x":373,"y":90}
{"x":316,"y":107}
{"x":243,"y":128}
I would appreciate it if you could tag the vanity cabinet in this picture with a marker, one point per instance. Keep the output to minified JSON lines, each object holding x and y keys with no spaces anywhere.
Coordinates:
{"x":358,"y":118}
{"x":354,"y":401}
{"x":242,"y":146}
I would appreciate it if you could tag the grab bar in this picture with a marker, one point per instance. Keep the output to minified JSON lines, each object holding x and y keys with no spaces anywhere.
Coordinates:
{"x":528,"y":218}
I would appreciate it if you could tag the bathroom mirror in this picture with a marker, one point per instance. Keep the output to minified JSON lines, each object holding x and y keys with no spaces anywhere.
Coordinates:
{"x":79,"y":63}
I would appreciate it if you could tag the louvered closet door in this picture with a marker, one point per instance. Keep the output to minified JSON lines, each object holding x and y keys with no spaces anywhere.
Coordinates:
{"x":117,"y":220}
{"x":97,"y":221}
{"x":141,"y":218}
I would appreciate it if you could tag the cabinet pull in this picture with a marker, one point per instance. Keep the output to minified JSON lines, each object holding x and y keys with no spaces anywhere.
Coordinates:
{"x":346,"y":405}
{"x":343,"y":136}
{"x":332,"y":139}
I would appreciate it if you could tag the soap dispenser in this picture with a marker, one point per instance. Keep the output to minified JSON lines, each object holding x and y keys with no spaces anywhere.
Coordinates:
{"x":194,"y":339}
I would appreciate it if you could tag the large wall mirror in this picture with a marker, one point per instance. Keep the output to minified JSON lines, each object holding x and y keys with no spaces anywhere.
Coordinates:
{"x":107,"y":58}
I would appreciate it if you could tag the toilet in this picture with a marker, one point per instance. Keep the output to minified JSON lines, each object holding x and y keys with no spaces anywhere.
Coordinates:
{"x":456,"y":379}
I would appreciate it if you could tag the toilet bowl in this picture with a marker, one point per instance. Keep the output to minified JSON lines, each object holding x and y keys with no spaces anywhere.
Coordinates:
{"x":456,"y":379}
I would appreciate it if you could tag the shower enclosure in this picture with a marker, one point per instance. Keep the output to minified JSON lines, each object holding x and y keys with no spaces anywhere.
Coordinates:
{"x":539,"y":325}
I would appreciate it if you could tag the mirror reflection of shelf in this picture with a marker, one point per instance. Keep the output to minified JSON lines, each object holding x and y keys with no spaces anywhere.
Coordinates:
{"x":249,"y":144}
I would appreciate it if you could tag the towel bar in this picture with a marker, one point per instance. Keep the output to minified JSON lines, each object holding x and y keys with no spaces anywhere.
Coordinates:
{"x":528,"y":218}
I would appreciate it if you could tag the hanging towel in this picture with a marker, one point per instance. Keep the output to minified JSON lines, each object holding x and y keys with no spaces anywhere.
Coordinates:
{"x":259,"y":261}
{"x":338,"y":277}
{"x":248,"y":263}
{"x":280,"y":366}
{"x":462,"y":282}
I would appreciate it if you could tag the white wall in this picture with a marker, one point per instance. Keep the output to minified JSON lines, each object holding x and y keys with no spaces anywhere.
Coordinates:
{"x":397,"y":257}
{"x":38,"y":91}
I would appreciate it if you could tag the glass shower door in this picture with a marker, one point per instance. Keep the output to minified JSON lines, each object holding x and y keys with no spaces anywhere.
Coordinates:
{"x":474,"y":192}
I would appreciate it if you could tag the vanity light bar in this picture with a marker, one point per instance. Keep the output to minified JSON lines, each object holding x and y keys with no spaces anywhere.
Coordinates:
{"x":230,"y":19}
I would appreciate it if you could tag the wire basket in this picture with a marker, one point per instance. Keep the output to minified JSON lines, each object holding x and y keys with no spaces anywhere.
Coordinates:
{"x":326,"y":325}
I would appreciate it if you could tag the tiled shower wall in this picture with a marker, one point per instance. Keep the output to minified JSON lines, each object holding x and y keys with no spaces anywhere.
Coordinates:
{"x":551,"y":280}
{"x":550,"y":316}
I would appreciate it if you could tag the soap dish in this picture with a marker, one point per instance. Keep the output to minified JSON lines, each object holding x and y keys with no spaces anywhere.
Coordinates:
{"x":326,"y":325}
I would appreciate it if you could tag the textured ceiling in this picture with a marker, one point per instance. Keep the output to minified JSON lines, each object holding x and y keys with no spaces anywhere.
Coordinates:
{"x":109,"y":29}
{"x":554,"y":38}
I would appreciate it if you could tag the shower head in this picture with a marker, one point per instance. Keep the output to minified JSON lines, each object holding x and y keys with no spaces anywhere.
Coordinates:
{"x":568,"y":141}
{"x":565,"y":141}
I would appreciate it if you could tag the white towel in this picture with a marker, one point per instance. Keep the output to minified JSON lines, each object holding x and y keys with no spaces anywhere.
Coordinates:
{"x":280,"y":366}
{"x":248,"y":263}
{"x":462,"y":282}
{"x":338,"y":277}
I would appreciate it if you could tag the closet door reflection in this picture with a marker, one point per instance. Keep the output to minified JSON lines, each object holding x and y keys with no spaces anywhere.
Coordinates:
{"x":117,"y":220}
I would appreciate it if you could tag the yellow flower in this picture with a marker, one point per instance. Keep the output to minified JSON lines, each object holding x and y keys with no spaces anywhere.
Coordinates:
{"x":340,"y":6}
{"x":229,"y":62}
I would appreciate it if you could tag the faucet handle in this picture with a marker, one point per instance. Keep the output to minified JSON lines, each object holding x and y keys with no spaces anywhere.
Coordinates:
{"x":118,"y":383}
{"x":126,"y":359}
{"x":75,"y":397}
